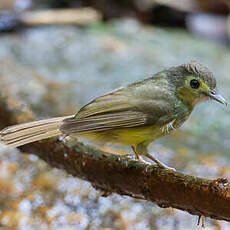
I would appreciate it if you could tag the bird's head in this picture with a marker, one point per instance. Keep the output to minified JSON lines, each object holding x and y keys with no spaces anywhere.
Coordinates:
{"x":195,"y":83}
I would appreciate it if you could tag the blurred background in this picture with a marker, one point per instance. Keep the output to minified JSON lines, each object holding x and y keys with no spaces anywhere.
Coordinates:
{"x":56,"y":55}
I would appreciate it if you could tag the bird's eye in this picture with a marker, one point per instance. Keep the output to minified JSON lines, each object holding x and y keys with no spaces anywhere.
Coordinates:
{"x":194,"y":84}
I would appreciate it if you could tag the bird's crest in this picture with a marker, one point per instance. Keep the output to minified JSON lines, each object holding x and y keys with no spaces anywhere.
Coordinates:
{"x":203,"y":72}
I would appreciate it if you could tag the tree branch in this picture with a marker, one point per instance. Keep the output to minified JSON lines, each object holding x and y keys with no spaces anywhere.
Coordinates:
{"x":125,"y":176}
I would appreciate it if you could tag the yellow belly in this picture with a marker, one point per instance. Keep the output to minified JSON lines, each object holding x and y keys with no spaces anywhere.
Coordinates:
{"x":126,"y":136}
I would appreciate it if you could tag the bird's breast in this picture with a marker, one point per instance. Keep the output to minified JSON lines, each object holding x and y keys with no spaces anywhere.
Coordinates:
{"x":127,"y":136}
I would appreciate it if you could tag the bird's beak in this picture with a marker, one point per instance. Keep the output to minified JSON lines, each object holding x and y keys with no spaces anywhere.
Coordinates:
{"x":217,"y":97}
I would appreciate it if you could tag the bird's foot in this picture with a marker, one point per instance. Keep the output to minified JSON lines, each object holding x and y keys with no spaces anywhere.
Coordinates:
{"x":143,"y":160}
{"x":159,"y":163}
{"x":164,"y":166}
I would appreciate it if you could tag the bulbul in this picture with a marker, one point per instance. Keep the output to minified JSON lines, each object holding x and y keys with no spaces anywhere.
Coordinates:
{"x":134,"y":115}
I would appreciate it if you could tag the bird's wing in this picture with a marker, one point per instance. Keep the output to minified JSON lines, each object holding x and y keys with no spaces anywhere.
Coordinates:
{"x":103,"y":122}
{"x":118,"y":109}
{"x":109,"y":111}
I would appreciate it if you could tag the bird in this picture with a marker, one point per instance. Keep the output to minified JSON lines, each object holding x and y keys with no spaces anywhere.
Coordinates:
{"x":133,"y":115}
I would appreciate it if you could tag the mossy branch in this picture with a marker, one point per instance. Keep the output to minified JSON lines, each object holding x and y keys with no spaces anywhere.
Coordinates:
{"x":125,"y":176}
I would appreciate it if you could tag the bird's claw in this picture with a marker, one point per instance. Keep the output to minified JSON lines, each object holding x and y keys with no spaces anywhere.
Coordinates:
{"x":163,"y":166}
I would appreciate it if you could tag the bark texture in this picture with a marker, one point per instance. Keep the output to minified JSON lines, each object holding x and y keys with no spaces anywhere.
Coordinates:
{"x":126,"y":176}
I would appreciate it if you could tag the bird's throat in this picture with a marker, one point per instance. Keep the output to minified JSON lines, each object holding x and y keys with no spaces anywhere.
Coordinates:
{"x":188,"y":98}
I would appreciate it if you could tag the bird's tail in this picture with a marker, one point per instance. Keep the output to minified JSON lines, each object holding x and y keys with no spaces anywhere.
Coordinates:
{"x":22,"y":134}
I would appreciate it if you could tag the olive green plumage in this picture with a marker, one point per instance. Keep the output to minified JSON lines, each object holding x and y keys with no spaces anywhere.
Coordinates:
{"x":134,"y":115}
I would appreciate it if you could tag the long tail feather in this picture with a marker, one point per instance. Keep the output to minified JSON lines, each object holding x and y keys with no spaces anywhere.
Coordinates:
{"x":22,"y":134}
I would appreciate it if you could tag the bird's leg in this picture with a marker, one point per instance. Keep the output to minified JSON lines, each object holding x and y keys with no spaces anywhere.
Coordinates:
{"x":136,"y":153}
{"x":142,"y":149}
{"x":159,"y":163}
{"x":139,"y":158}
